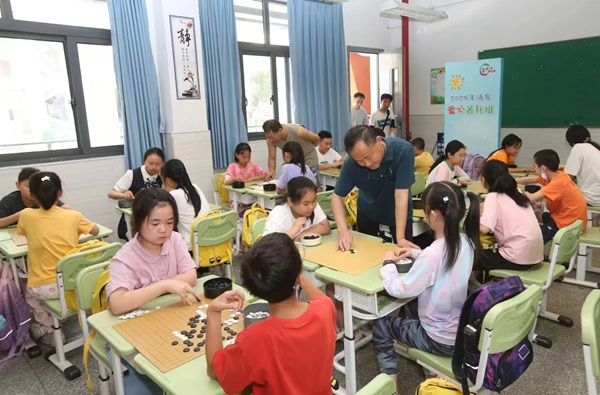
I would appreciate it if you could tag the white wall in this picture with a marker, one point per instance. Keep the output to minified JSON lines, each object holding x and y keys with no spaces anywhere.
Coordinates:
{"x":487,"y":24}
{"x":363,"y":27}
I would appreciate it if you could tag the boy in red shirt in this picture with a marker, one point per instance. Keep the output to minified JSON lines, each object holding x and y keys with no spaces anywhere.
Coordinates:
{"x":564,"y":200}
{"x":291,"y":352}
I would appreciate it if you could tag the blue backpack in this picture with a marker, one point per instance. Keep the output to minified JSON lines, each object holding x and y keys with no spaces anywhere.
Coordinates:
{"x":503,"y":368}
{"x":17,"y":316}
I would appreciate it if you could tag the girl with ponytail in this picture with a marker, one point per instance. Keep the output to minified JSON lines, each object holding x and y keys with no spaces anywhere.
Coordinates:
{"x":191,"y":202}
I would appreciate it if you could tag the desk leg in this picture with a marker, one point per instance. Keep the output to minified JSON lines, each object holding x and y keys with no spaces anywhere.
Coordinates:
{"x":117,"y":372}
{"x":238,"y":238}
{"x":323,"y":181}
{"x":583,"y":256}
{"x":349,"y":343}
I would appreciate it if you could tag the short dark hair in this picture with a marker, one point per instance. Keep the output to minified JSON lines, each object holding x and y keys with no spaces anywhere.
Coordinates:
{"x":45,"y":186}
{"x":359,"y":94}
{"x":325,"y":134}
{"x":145,"y":201}
{"x":419,"y":143}
{"x":240,"y":149}
{"x":548,"y":158}
{"x":154,"y":151}
{"x":387,"y":96}
{"x":272,"y":125}
{"x":359,"y":133}
{"x":26,"y":173}
{"x":271,"y":267}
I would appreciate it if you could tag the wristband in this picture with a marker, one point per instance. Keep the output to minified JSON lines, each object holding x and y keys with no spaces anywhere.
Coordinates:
{"x":388,"y":262}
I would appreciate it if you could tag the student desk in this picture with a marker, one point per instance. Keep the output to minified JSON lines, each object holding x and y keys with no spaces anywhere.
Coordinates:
{"x":357,"y":292}
{"x":477,"y":188}
{"x":103,"y":324}
{"x":590,"y":239}
{"x":16,"y":254}
{"x":329,"y":176}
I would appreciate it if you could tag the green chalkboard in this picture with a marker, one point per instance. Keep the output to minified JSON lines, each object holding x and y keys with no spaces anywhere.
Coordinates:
{"x":550,"y":85}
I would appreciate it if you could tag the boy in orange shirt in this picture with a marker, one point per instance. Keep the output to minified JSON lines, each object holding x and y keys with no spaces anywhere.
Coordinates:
{"x":564,"y":199}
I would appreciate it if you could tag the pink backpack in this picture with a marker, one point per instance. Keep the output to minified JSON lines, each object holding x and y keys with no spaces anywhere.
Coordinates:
{"x":472,"y":166}
{"x":16,"y":312}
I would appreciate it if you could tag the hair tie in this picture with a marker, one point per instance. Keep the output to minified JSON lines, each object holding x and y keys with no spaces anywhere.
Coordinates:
{"x":445,"y":199}
{"x":45,"y":178}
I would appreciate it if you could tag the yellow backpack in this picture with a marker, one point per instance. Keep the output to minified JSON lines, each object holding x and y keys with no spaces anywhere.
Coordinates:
{"x":252,"y":214}
{"x":223,"y":193}
{"x":351,"y":204}
{"x":438,"y":386}
{"x":99,"y":303}
{"x":213,"y":255}
{"x":70,"y":297}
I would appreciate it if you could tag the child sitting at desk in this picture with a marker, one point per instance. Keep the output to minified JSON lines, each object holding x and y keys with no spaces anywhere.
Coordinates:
{"x":300,"y":214}
{"x":51,"y":232}
{"x":328,"y":157}
{"x":423,"y":159}
{"x":447,"y":166}
{"x":564,"y":200}
{"x":291,"y":352}
{"x":294,"y":166}
{"x":151,"y":264}
{"x":12,"y":204}
{"x":511,"y":144}
{"x":583,"y":163}
{"x":438,"y":278}
{"x":243,"y":169}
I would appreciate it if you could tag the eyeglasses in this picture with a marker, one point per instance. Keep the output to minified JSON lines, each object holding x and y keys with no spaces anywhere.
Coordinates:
{"x":382,"y":176}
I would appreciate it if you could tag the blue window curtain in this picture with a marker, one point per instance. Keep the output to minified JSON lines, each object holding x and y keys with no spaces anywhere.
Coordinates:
{"x":319,"y":67}
{"x":136,"y":79}
{"x":222,"y":79}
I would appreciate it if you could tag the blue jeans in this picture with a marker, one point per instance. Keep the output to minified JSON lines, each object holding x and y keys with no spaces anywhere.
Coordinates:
{"x":135,"y":383}
{"x":407,"y":330}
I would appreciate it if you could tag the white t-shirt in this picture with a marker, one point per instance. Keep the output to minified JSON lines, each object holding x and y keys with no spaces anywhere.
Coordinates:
{"x":124,"y":182}
{"x":584,"y":163}
{"x":281,"y":219}
{"x":358,"y":117}
{"x":443,"y":172}
{"x":186,"y":212}
{"x":329,"y":157}
{"x":378,"y":120}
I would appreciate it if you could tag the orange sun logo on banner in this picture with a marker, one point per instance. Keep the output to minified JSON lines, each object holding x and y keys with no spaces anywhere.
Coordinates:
{"x":456,"y":82}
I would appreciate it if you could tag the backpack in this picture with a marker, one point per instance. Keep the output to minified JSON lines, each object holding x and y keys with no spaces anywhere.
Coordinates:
{"x":351,"y":204}
{"x":223,"y":193}
{"x":70,"y":298}
{"x":502,"y":368}
{"x":438,"y":386}
{"x":252,"y":214}
{"x":16,"y":313}
{"x":472,"y":166}
{"x":99,"y":303}
{"x":213,"y":255}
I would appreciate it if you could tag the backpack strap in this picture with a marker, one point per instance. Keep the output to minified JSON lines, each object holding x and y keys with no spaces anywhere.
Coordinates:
{"x":458,"y":356}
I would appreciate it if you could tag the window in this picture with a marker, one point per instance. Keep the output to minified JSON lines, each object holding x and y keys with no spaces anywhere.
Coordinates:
{"x":58,"y":95}
{"x":263,"y":41}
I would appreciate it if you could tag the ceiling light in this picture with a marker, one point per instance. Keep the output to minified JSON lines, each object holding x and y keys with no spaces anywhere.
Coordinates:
{"x":396,"y":9}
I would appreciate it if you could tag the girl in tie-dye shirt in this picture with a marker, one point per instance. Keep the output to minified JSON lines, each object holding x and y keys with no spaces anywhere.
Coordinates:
{"x":438,"y":279}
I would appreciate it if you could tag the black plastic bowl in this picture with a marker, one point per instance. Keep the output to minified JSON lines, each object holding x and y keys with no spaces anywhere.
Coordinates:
{"x":239,"y":184}
{"x":215,"y":287}
{"x":269,"y":187}
{"x":532,"y":188}
{"x":253,"y":308}
{"x":125,"y":203}
{"x":404,"y":267}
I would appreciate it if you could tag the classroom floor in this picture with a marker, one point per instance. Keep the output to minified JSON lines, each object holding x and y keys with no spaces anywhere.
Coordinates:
{"x":559,"y":370}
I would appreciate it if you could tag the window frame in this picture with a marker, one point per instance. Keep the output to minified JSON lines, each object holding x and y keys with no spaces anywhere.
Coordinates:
{"x":70,"y":37}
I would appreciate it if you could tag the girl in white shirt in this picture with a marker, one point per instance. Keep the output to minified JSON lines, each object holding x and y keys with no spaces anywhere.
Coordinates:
{"x":191,"y":202}
{"x":300,"y":214}
{"x":584,"y":163}
{"x":438,"y":279}
{"x":447,"y":167}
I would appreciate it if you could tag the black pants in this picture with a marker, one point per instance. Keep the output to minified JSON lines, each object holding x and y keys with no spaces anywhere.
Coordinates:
{"x":492,"y":259}
{"x":370,"y":227}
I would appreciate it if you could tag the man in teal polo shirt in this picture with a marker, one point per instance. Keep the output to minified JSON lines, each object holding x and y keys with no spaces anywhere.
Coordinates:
{"x":383,"y":171}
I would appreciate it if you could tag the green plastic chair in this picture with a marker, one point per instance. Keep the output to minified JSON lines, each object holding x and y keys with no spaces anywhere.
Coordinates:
{"x":85,"y":283}
{"x":257,"y":229}
{"x":66,"y":273}
{"x":382,"y":384}
{"x":212,"y":231}
{"x":418,"y":187}
{"x":504,"y":326}
{"x":565,"y":245}
{"x":215,"y":184}
{"x":590,"y":337}
{"x":324,"y":200}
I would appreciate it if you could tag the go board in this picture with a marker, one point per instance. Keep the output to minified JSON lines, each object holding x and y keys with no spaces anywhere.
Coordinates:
{"x":332,"y":171}
{"x":367,"y":253}
{"x":152,"y":334}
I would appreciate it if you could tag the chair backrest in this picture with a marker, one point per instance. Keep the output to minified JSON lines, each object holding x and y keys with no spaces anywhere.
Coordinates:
{"x":257,"y":229}
{"x":85,"y":282}
{"x":351,"y":204}
{"x":324,"y":200}
{"x":215,"y":229}
{"x":382,"y":384}
{"x":590,"y":328}
{"x":418,"y":187}
{"x":70,"y":265}
{"x":565,"y":242}
{"x":512,"y":320}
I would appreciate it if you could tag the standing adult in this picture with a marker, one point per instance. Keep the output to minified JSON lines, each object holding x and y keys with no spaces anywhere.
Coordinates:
{"x":277,"y":135}
{"x":358,"y":115}
{"x":383,"y":171}
{"x":384,"y":117}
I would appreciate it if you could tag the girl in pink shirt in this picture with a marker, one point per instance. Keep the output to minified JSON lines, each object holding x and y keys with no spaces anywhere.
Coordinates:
{"x":507,"y":214}
{"x":447,"y":166}
{"x":243,"y":169}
